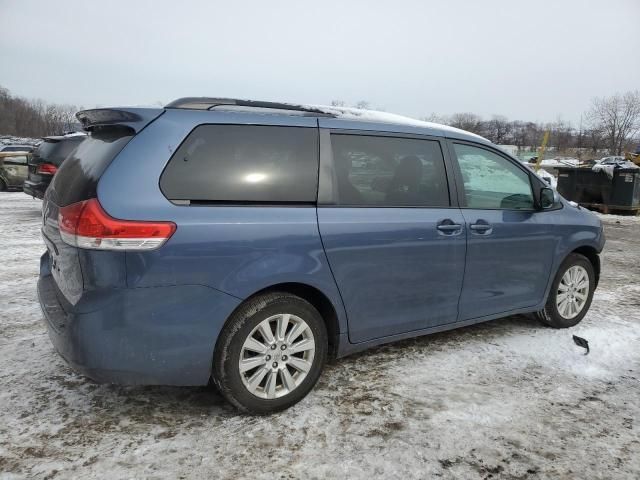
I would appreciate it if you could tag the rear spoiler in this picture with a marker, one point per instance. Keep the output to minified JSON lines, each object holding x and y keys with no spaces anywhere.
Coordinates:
{"x":133,"y":118}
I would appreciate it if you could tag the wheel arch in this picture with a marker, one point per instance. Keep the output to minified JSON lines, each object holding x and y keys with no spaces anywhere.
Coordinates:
{"x":592,"y":255}
{"x":315,"y":297}
{"x":588,"y":251}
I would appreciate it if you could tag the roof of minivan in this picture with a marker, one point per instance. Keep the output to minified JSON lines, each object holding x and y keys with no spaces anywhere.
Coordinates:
{"x":342,"y":113}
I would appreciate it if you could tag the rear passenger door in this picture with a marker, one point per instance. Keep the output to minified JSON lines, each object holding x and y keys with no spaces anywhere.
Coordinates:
{"x":394,"y":241}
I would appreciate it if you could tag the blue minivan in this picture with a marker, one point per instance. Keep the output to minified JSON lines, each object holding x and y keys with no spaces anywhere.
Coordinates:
{"x":246,"y":242}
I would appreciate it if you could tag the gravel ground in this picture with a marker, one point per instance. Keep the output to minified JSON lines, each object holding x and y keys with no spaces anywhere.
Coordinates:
{"x":505,"y":399}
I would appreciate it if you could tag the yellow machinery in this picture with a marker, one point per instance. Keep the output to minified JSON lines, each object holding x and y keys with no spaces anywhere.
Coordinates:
{"x":543,"y":147}
{"x":632,"y":157}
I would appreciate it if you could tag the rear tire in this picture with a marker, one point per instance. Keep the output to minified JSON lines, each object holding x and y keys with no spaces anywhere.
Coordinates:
{"x":270,"y":353}
{"x":571,"y":293}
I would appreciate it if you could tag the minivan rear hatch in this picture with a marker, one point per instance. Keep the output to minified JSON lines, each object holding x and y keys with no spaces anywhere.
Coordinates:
{"x":77,"y":180}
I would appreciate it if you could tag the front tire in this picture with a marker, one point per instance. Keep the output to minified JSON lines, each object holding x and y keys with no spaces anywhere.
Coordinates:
{"x":270,"y":353}
{"x":3,"y":186}
{"x":571,"y":293}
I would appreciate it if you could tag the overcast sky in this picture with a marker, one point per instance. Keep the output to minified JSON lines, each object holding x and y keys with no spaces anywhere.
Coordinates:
{"x":527,"y":60}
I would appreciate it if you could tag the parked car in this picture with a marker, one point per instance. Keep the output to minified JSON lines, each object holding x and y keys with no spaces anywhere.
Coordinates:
{"x":246,"y":242}
{"x":13,"y":170}
{"x":16,"y":148}
{"x":46,"y":160}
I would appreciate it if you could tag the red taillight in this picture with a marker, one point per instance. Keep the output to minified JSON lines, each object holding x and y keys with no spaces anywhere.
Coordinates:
{"x":86,"y":225}
{"x":46,"y":169}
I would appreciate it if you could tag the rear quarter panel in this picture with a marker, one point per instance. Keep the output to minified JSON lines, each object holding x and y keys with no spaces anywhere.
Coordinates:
{"x":238,"y":250}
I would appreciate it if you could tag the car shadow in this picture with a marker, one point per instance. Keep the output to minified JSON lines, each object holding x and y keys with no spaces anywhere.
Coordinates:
{"x":489,"y":329}
{"x":111,"y":405}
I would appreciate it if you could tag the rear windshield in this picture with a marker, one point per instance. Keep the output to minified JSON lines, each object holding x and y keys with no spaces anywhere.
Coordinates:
{"x":55,"y":152}
{"x":77,"y":178}
{"x":17,"y":149}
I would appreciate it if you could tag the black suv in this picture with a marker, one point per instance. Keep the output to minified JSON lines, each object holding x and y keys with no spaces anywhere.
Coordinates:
{"x":46,"y":160}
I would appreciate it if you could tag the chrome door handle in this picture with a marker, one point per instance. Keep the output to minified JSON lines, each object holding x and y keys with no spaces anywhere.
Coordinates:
{"x":480,"y":228}
{"x":449,"y":228}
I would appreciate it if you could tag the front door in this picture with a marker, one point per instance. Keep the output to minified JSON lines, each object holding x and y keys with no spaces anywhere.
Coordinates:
{"x":509,"y":245}
{"x":395,"y":244}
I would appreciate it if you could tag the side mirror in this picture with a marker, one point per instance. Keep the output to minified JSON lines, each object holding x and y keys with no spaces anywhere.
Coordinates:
{"x":547,"y":197}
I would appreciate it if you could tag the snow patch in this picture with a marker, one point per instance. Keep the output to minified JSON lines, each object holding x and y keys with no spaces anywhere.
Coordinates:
{"x":384,"y":117}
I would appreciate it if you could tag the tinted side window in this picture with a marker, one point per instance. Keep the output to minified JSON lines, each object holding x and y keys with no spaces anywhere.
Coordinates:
{"x":388,"y":171}
{"x":244,"y":163}
{"x":492,"y":181}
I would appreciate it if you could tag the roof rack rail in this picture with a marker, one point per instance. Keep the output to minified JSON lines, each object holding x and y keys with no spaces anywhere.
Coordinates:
{"x":208,"y":103}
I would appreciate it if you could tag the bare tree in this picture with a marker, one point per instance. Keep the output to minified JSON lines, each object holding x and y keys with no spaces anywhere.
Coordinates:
{"x":68,"y":119}
{"x":466,"y":121}
{"x":499,"y":129}
{"x":338,"y":103}
{"x":520,"y":134}
{"x":593,"y":138}
{"x":435,"y":118}
{"x":618,"y":118}
{"x":561,"y":135}
{"x":34,"y":118}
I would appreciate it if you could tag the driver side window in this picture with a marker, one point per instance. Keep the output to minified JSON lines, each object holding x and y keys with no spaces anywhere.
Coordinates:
{"x":491,"y":181}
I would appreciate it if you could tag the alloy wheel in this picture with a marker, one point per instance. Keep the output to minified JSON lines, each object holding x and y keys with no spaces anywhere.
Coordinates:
{"x":573,"y":292}
{"x":277,"y":356}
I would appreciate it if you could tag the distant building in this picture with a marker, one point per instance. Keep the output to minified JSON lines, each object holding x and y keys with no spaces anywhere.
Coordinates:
{"x":510,"y":149}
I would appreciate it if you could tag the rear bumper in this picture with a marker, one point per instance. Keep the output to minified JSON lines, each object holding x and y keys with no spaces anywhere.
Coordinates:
{"x":35,"y":189}
{"x":140,"y":336}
